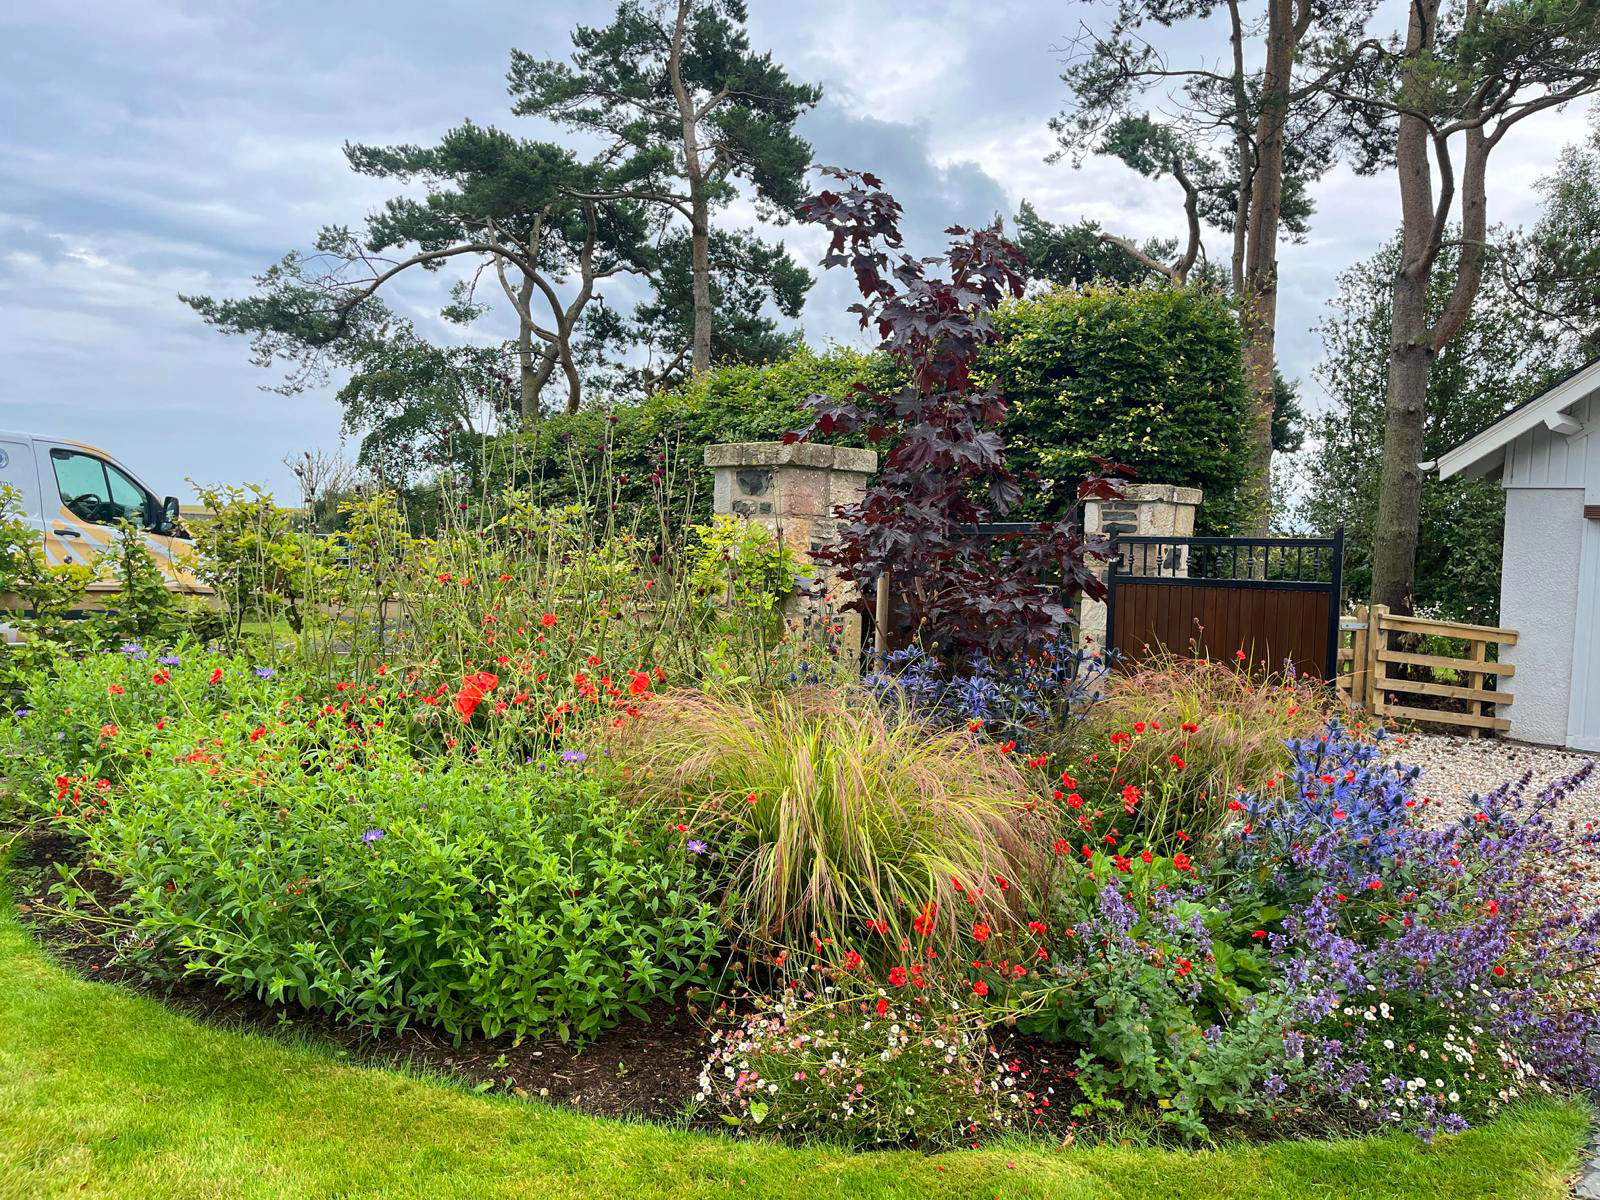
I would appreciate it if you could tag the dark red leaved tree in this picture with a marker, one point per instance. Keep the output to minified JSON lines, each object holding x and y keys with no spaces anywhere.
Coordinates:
{"x":945,"y":472}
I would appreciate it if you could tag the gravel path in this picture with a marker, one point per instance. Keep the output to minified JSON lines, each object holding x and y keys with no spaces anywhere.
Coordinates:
{"x":1454,"y":767}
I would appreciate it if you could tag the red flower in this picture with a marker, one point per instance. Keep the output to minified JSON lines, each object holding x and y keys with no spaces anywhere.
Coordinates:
{"x":1176,"y":761}
{"x":1188,"y":728}
{"x":1259,"y":934}
{"x":547,"y":620}
{"x":1239,"y":654}
{"x":255,"y":734}
{"x":639,"y":684}
{"x":897,"y":977}
{"x":1074,"y":800}
{"x":1184,"y":967}
{"x":108,"y":731}
{"x":115,"y":689}
{"x":1062,"y":846}
{"x":160,"y":677}
{"x":1499,"y":972}
{"x":980,"y":931}
{"x":1181,"y":861}
{"x":883,"y":1006}
{"x":924,"y":922}
{"x":473,"y":689}
{"x":852,"y":960}
{"x":216,"y":676}
{"x":1146,"y":857}
{"x":980,"y":988}
{"x":1130,"y":794}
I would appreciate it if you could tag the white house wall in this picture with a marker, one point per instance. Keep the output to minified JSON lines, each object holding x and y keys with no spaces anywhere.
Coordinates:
{"x":1539,"y":585}
{"x":1542,"y":458}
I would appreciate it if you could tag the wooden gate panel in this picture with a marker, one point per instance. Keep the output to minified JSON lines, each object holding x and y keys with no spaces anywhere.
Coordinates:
{"x":1284,"y":610}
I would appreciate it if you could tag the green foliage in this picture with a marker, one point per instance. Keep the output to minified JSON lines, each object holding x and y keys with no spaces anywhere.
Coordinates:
{"x":284,"y":852}
{"x":1500,"y":357}
{"x":1071,"y":256}
{"x":30,"y":585}
{"x":143,"y":607}
{"x":829,"y":811}
{"x":259,"y":564}
{"x":736,"y":564}
{"x":742,"y":403}
{"x":1147,"y":377}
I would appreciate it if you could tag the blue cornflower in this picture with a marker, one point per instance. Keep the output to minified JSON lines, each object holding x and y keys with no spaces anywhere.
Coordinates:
{"x":372,"y":835}
{"x":265,"y":672}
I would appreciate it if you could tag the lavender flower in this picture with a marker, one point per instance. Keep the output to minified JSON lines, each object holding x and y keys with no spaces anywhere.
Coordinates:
{"x":134,"y":650}
{"x":169,"y":660}
{"x":695,"y":847}
{"x":574,"y":756}
{"x":373,"y":835}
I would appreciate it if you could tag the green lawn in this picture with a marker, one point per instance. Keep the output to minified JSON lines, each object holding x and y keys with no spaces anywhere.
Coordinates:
{"x":104,"y":1093}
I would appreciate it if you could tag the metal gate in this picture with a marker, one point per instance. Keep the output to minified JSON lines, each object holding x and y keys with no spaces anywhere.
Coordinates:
{"x":1263,"y":601}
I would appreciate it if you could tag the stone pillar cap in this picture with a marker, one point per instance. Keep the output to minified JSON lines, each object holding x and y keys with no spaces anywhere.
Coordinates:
{"x":1169,"y":492}
{"x":794,"y":454}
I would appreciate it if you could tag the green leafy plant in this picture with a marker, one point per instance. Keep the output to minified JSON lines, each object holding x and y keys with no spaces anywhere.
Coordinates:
{"x":285,"y":850}
{"x":829,"y":812}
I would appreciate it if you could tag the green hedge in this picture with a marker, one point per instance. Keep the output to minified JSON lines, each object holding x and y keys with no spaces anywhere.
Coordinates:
{"x":1147,"y":376}
{"x":1150,"y":377}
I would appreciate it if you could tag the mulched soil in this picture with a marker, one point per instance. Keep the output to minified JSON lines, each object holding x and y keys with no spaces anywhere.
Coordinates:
{"x":646,"y":1069}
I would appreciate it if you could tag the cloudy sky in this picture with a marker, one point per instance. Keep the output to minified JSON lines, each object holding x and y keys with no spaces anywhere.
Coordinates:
{"x":167,"y":147}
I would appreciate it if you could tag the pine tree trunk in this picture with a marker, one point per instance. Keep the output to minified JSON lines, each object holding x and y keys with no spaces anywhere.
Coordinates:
{"x":700,"y":262}
{"x":1394,"y":543}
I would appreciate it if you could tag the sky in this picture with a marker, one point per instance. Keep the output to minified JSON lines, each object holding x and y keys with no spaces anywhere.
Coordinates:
{"x":162,"y":148}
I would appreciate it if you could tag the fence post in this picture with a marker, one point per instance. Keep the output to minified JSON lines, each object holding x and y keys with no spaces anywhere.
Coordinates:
{"x":880,"y":619}
{"x":1358,"y":660}
{"x":1376,"y":670}
{"x":1480,"y":649}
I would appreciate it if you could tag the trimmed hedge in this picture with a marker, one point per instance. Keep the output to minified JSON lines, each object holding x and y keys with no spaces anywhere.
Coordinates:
{"x":1149,"y":377}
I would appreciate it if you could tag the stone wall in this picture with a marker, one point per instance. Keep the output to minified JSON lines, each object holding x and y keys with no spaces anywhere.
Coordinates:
{"x":1146,"y":510}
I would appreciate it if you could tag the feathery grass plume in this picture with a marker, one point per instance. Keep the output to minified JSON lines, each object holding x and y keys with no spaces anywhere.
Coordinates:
{"x":835,"y":814}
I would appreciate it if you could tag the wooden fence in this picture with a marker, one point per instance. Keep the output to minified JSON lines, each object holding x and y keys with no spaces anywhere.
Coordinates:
{"x":1367,"y":662}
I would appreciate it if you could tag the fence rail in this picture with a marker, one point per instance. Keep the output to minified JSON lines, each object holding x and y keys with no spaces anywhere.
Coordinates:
{"x":1367,"y":678}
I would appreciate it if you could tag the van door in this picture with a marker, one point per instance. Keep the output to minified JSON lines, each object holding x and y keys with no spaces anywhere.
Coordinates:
{"x":19,"y":473}
{"x":86,"y":494}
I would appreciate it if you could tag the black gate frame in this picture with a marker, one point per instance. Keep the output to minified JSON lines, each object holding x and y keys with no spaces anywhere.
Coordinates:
{"x":1333,"y":585}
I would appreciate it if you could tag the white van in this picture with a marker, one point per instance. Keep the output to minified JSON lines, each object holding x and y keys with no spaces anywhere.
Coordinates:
{"x":74,"y":495}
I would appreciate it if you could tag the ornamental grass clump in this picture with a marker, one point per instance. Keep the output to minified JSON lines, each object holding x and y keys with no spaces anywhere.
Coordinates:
{"x":831,"y":814}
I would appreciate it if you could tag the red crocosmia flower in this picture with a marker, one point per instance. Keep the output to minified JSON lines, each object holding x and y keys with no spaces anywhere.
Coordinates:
{"x":1181,"y":861}
{"x":216,"y":675}
{"x":980,"y":931}
{"x":473,"y":689}
{"x":547,"y":620}
{"x":883,"y":1007}
{"x":980,"y":988}
{"x":639,"y":684}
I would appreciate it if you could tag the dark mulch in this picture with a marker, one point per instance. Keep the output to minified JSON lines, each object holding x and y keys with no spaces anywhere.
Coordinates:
{"x":640,"y":1068}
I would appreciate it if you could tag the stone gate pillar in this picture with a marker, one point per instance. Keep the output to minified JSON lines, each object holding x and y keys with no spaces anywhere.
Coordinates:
{"x":793,"y":490}
{"x":1147,"y":509}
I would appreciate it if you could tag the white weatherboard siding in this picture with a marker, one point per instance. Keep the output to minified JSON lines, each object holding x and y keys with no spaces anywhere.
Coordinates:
{"x":1539,"y":598}
{"x":1583,"y":717}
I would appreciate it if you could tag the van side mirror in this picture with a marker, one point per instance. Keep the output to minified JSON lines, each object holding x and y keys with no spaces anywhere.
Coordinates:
{"x":169,"y":515}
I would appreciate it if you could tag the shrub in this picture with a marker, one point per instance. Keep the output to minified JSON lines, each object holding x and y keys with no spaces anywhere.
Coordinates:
{"x":1039,"y":698}
{"x":1227,"y":728}
{"x":829,"y":812}
{"x":305,"y":859}
{"x":850,"y":1069}
{"x":1150,"y":377}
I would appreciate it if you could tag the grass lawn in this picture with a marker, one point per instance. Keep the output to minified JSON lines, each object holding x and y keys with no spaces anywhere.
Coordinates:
{"x":104,"y":1093}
